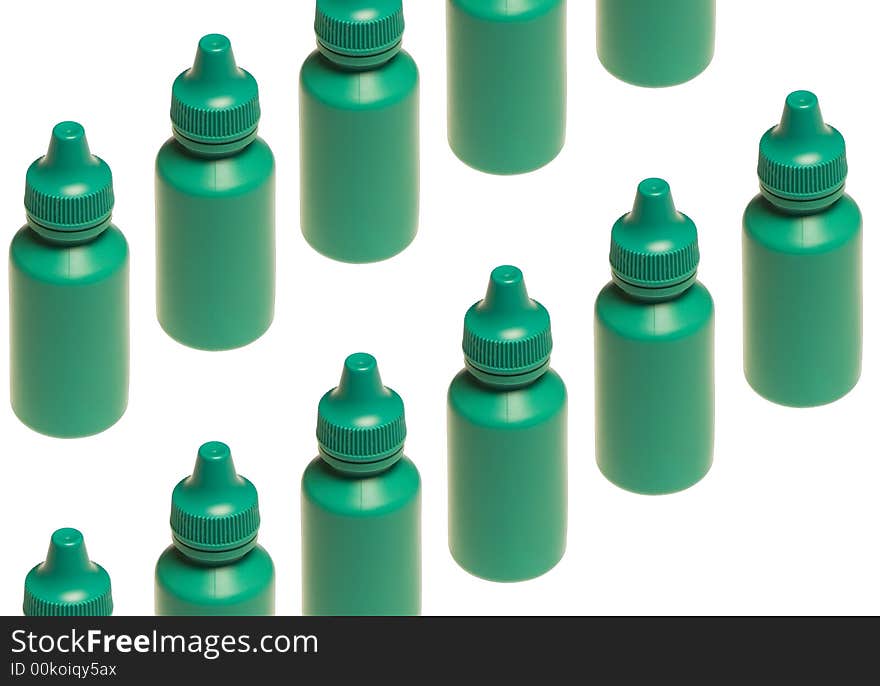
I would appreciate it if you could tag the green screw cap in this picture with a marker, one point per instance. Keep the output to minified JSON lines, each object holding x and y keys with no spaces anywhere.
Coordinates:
{"x":68,"y":189}
{"x":507,"y":332}
{"x":215,"y":101}
{"x":655,"y":245}
{"x":215,"y":509}
{"x":359,"y":28}
{"x":802,"y":158}
{"x":67,"y":584}
{"x":361,"y":420}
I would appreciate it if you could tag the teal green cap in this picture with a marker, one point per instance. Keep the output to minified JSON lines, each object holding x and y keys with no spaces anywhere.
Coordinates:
{"x":68,"y":189}
{"x":68,"y":583}
{"x":361,"y":420}
{"x":359,"y":28}
{"x":215,"y":509}
{"x":655,"y":245}
{"x":215,"y":101}
{"x":802,"y":158}
{"x":507,"y":333}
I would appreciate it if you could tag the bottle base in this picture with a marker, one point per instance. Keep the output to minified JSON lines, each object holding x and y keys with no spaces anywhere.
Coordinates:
{"x":215,"y":346}
{"x":654,"y":84}
{"x":486,"y":575}
{"x":667,"y":490}
{"x":794,"y":403}
{"x":348,"y":259}
{"x":84,"y":433}
{"x":501,"y":170}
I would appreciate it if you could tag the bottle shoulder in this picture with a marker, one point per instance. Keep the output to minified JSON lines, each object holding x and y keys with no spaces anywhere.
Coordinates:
{"x":62,"y":263}
{"x":688,"y":314}
{"x":818,"y":232}
{"x":540,"y":401}
{"x":383,"y":86}
{"x":244,"y":171}
{"x":361,"y":496}
{"x":173,"y":566}
{"x":505,"y":11}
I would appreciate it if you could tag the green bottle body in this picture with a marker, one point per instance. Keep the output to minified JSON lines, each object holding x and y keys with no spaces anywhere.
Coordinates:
{"x":245,"y":586}
{"x":215,"y":245}
{"x":655,"y":389}
{"x":802,"y":301}
{"x":655,"y":43}
{"x":506,"y":83}
{"x":361,"y":541}
{"x":359,"y":157}
{"x":508,"y":476}
{"x":69,"y":332}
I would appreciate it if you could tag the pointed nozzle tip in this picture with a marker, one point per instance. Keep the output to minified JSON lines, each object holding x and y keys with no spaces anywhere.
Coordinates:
{"x":214,"y":451}
{"x":214,"y":59}
{"x":507,"y":291}
{"x":801,"y":100}
{"x":214,"y":467}
{"x":653,"y":203}
{"x":68,"y":146}
{"x":802,"y":116}
{"x":214,"y":42}
{"x":67,"y":538}
{"x":68,"y":131}
{"x":360,"y":362}
{"x":360,"y":378}
{"x":67,"y":552}
{"x":506,"y":275}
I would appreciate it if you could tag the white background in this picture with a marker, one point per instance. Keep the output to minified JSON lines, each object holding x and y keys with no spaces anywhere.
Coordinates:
{"x":786,"y":521}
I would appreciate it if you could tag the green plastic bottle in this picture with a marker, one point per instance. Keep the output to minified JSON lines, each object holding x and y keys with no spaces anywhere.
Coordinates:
{"x":802,"y":264}
{"x":654,"y":330}
{"x":215,"y":208}
{"x":655,"y":43}
{"x":506,"y":82}
{"x":507,"y":439}
{"x":215,"y":566}
{"x":68,"y":583}
{"x":361,"y":503}
{"x":68,"y":295}
{"x":359,"y":133}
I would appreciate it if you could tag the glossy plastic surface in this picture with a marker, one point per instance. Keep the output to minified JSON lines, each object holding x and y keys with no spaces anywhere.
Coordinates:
{"x":508,"y":476}
{"x":243,"y":587}
{"x":506,"y":82}
{"x":69,"y":333}
{"x":361,"y":541}
{"x":215,"y":245}
{"x":655,"y":43}
{"x":802,"y":301}
{"x":655,"y":394}
{"x":359,"y":158}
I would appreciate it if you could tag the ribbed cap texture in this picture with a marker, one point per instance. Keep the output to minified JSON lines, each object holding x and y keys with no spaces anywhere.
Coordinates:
{"x":654,"y":245}
{"x":803,"y":157}
{"x":507,"y":332}
{"x":215,"y":101}
{"x":101,"y":606}
{"x":361,"y":419}
{"x":68,"y":189}
{"x":67,"y":583}
{"x":215,"y":508}
{"x":356,"y":28}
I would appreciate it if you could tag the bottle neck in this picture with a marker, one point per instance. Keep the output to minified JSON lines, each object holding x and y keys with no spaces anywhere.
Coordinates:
{"x":358,"y":62}
{"x":357,"y":469}
{"x":802,"y":206}
{"x":213,"y":150}
{"x":507,"y":381}
{"x":213,"y":558}
{"x":653,"y":295}
{"x":67,"y":237}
